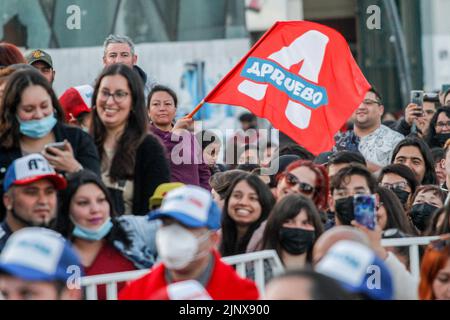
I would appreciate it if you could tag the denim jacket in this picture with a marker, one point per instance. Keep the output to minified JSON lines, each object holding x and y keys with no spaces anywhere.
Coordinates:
{"x":141,"y":232}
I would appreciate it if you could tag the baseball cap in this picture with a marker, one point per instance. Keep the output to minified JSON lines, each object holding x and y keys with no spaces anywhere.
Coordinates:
{"x":29,"y":169}
{"x":39,"y":55}
{"x":76,"y":100}
{"x":358,"y":269}
{"x":190,"y":205}
{"x":39,"y":254}
{"x":323,"y":158}
{"x":161,"y":191}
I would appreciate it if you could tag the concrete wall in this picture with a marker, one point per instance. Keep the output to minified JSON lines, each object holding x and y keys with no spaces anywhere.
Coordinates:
{"x":436,"y":43}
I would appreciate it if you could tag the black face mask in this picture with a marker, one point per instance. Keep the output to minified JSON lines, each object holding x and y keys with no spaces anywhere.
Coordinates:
{"x":402,"y":195}
{"x":296,"y":241}
{"x":344,"y":210}
{"x":421,"y":214}
{"x":442,"y":138}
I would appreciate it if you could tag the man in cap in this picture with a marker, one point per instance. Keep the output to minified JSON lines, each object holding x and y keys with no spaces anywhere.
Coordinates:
{"x":358,"y":269}
{"x":39,"y":264}
{"x":30,"y":195}
{"x":404,"y":284}
{"x":42,"y":61}
{"x":186,"y":246}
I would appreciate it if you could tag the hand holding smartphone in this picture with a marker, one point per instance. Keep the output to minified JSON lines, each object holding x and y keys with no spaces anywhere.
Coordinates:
{"x":417,"y":99}
{"x":57,"y":145}
{"x":365,"y":210}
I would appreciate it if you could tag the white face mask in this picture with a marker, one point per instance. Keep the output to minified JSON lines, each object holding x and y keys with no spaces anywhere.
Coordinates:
{"x":177,"y":246}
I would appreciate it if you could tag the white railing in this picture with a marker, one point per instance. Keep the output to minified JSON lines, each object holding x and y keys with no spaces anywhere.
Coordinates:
{"x":241,"y":262}
{"x":413,"y":244}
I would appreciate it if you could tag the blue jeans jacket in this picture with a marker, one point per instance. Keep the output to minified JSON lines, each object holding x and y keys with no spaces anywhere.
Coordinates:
{"x":142,"y":233}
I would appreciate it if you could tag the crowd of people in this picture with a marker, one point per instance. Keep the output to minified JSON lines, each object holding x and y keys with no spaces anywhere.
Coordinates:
{"x":106,"y":179}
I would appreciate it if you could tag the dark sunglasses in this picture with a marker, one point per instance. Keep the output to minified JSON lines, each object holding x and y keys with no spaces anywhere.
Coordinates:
{"x":292,"y":181}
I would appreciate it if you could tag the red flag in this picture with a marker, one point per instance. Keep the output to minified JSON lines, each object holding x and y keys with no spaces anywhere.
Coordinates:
{"x":302,"y":77}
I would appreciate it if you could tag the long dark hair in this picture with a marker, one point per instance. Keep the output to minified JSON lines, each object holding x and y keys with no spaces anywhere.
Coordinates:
{"x":430,"y":138}
{"x":430,"y":173}
{"x":64,"y":224}
{"x":230,"y":244}
{"x":123,"y":162}
{"x":396,"y":215}
{"x":288,"y":208}
{"x":433,"y":229}
{"x":16,"y":85}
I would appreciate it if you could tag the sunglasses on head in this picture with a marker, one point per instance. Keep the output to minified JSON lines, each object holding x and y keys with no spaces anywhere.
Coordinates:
{"x":292,"y":181}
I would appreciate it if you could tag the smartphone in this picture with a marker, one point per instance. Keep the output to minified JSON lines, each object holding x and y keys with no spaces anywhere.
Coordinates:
{"x":365,"y":210}
{"x":57,"y":145}
{"x":417,"y":98}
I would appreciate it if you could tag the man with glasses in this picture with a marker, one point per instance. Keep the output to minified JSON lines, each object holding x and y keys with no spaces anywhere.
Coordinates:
{"x":372,"y":139}
{"x":401,"y":180}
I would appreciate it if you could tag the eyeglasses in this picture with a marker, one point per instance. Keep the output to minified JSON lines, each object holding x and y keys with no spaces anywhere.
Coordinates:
{"x":118,"y":96}
{"x":292,"y":181}
{"x":369,"y":102}
{"x":402,"y":185}
{"x":442,"y":124}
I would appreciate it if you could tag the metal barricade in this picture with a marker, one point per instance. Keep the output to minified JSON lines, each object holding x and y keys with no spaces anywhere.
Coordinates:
{"x":413,"y":244}
{"x":240,"y":261}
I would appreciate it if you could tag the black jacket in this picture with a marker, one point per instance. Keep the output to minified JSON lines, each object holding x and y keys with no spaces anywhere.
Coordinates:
{"x":83,"y":148}
{"x":151,"y":169}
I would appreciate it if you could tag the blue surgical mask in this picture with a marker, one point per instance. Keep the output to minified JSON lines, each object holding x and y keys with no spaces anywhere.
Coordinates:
{"x":93,"y":235}
{"x":37,"y":128}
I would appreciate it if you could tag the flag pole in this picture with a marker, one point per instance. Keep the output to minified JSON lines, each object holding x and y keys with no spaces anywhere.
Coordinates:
{"x":193,"y":112}
{"x":228,"y":75}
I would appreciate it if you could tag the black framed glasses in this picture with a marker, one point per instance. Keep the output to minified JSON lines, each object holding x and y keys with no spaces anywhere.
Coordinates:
{"x":118,"y":96}
{"x":370,"y":102}
{"x":442,"y":124}
{"x":292,"y":181}
{"x":402,"y":185}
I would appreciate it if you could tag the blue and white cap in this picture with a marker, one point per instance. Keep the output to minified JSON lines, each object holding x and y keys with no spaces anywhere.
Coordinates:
{"x":31,"y":168}
{"x":358,"y":269}
{"x":39,"y":254}
{"x":190,"y":205}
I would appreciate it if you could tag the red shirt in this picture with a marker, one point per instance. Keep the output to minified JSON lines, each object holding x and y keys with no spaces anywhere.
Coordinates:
{"x":108,"y":260}
{"x":224,"y":284}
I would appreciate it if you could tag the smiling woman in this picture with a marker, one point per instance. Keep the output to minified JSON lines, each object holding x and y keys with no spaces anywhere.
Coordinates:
{"x":247,"y":205}
{"x":103,"y":240}
{"x":183,"y":150}
{"x":133,"y":162}
{"x":31,"y":118}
